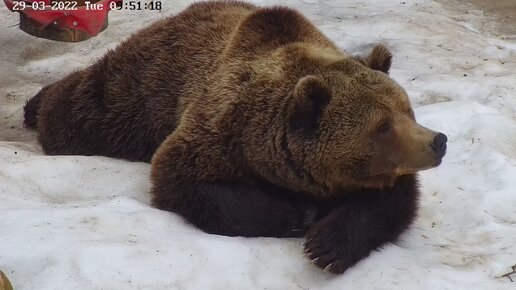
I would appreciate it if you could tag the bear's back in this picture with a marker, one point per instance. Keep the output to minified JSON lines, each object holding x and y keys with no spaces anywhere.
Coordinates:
{"x":151,"y":76}
{"x":183,"y":52}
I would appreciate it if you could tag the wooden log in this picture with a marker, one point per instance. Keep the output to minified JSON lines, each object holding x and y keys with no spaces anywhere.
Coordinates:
{"x":4,"y":282}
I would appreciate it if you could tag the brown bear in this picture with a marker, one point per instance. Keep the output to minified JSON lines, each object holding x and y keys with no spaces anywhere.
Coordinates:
{"x":266,"y":128}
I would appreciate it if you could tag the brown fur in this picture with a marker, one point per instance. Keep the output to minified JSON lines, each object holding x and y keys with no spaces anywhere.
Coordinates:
{"x":266,"y":128}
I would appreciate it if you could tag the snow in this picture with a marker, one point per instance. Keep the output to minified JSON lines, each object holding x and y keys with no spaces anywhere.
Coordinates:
{"x":77,"y":222}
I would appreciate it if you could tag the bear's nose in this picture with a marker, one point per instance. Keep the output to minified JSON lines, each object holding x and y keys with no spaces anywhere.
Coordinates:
{"x":439,"y":144}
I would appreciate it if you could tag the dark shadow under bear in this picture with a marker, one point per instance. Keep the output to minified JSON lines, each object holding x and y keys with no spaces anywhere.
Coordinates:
{"x":264,"y":128}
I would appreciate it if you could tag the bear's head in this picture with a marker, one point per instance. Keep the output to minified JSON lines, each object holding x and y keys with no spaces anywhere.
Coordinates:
{"x":351,"y":126}
{"x":348,"y":124}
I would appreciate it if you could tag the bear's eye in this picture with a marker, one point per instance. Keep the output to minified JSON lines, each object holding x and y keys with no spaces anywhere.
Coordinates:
{"x":384,"y":127}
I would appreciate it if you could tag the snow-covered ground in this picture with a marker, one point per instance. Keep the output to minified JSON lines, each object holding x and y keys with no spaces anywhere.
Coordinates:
{"x":76,"y":222}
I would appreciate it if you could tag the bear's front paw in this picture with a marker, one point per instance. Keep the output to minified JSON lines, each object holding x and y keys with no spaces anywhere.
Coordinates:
{"x":326,"y":251}
{"x":329,"y":247}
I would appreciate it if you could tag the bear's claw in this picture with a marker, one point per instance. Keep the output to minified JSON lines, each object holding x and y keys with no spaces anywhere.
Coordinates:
{"x":327,"y":250}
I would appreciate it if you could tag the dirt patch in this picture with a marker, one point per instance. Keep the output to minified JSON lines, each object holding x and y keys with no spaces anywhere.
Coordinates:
{"x":500,"y":14}
{"x":502,"y":11}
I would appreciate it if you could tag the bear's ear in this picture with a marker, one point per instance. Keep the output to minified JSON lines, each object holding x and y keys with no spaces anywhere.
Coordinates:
{"x":379,"y":59}
{"x":310,"y":98}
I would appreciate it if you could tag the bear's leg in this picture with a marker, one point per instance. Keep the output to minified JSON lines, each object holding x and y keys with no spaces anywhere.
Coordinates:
{"x":238,"y":210}
{"x":362,"y":223}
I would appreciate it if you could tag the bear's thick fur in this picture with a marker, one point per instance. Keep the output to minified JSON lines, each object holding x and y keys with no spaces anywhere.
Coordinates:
{"x":266,"y":128}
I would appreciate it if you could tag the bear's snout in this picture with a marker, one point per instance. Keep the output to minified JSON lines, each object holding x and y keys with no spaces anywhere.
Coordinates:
{"x":439,"y":144}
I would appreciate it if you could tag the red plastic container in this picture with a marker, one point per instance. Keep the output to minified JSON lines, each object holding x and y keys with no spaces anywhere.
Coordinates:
{"x":73,"y":22}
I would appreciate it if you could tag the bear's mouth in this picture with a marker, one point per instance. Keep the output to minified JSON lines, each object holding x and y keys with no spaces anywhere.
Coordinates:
{"x":437,"y":162}
{"x":409,"y":170}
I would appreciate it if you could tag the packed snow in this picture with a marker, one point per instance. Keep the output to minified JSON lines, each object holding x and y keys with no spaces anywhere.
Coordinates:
{"x":85,"y":222}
